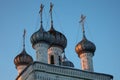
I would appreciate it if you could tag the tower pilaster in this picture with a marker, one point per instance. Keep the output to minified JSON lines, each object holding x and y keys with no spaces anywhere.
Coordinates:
{"x":54,"y":55}
{"x":87,"y":62}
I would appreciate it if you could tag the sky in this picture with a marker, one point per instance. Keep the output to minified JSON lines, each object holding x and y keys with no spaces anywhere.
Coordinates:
{"x":102,"y":27}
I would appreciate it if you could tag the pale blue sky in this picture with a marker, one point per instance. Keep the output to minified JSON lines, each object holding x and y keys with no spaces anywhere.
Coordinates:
{"x":102,"y":27}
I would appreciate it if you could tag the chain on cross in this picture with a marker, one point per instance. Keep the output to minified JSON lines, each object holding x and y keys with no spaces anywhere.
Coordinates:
{"x":82,"y":22}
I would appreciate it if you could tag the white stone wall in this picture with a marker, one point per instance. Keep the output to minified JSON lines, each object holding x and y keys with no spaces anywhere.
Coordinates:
{"x":46,"y":76}
{"x":87,"y":62}
{"x":41,"y":52}
{"x":27,"y":74}
{"x":41,"y":71}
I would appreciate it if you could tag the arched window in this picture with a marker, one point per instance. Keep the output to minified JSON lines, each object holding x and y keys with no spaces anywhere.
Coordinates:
{"x":52,"y":59}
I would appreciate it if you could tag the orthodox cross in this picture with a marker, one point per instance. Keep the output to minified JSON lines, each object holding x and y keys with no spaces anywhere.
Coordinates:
{"x":51,"y":7}
{"x":24,"y":33}
{"x":82,"y":22}
{"x":40,"y":12}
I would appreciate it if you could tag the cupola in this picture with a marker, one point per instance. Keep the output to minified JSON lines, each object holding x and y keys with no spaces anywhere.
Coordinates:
{"x":41,"y":35}
{"x":57,"y":38}
{"x":66,"y":62}
{"x":85,"y":46}
{"x":85,"y":50}
{"x":23,"y":59}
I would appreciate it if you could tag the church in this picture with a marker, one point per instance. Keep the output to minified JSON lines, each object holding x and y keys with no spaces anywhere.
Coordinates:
{"x":51,"y":62}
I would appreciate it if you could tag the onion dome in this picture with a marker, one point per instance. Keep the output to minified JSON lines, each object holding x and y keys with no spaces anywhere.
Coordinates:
{"x":85,"y":46}
{"x":41,"y":35}
{"x":57,"y":39}
{"x":23,"y":59}
{"x":66,"y":62}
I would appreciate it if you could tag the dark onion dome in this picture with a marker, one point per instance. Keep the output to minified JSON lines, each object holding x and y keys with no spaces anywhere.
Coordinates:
{"x":85,"y":46}
{"x":23,"y":59}
{"x":66,"y":62}
{"x":57,"y":38}
{"x":40,"y":36}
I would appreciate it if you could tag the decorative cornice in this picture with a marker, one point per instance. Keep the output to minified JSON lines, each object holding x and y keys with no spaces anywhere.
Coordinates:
{"x":62,"y":71}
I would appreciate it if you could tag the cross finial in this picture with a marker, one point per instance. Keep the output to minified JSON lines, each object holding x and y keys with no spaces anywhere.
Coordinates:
{"x":40,"y":12}
{"x":51,"y":7}
{"x":82,"y":23}
{"x":24,"y":33}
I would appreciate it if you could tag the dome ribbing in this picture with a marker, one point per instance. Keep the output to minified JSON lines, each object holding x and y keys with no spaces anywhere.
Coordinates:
{"x":23,"y":59}
{"x":85,"y":46}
